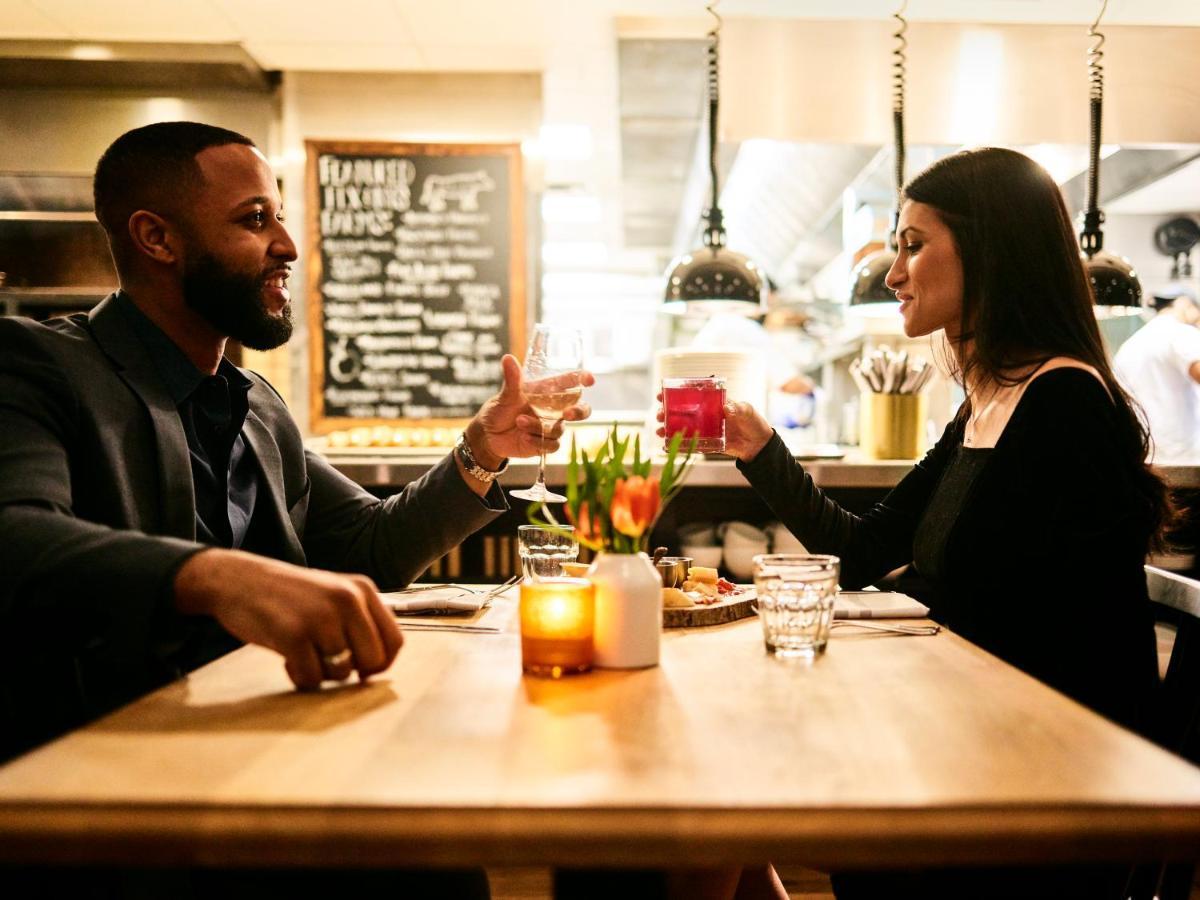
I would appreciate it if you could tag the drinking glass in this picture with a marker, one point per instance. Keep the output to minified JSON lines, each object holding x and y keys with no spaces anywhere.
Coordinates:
{"x":695,"y":407}
{"x":795,"y":602}
{"x":544,"y":549}
{"x":552,"y":383}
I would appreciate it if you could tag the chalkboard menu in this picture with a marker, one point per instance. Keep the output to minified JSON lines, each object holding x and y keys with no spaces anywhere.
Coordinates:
{"x":416,"y":279}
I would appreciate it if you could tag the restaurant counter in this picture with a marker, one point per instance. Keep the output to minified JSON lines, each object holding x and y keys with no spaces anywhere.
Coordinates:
{"x":394,"y":468}
{"x":715,"y":492}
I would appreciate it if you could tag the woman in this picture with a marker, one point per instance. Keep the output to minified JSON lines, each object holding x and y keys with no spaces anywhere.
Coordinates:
{"x":1032,"y":515}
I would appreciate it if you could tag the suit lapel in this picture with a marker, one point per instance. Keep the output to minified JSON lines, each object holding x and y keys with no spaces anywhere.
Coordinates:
{"x":266,"y":453}
{"x":135,"y":368}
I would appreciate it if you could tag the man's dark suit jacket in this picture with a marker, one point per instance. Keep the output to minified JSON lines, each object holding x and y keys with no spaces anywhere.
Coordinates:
{"x":97,"y":513}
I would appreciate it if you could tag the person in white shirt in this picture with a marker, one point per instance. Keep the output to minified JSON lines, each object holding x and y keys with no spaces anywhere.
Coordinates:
{"x":1160,"y":366}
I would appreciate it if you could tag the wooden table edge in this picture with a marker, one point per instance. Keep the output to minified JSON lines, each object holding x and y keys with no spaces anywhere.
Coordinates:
{"x":838,"y":838}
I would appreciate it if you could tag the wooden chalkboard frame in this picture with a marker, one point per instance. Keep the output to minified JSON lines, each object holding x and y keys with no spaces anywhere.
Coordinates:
{"x":319,"y":423}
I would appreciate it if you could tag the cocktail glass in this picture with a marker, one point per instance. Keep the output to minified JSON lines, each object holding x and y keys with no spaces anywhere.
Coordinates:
{"x":695,"y":407}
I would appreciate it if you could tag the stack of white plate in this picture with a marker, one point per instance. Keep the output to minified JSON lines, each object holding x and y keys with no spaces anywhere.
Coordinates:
{"x":745,"y":371}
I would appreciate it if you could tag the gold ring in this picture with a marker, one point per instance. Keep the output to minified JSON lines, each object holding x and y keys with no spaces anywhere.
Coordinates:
{"x":337,"y":660}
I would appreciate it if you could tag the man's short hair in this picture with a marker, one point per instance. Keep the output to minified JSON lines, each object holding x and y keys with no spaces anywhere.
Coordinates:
{"x":152,"y":168}
{"x":1164,"y":299}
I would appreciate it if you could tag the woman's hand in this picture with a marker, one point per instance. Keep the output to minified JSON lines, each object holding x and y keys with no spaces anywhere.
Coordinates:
{"x":746,"y":432}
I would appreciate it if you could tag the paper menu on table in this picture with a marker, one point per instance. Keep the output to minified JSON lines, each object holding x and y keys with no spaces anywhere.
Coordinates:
{"x":877,"y":605}
{"x":452,"y":599}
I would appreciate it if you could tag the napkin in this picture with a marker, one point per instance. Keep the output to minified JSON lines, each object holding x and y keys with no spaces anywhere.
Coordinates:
{"x":452,"y":599}
{"x":877,"y":605}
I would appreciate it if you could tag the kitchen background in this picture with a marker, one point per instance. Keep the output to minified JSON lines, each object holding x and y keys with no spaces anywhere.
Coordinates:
{"x":607,"y":99}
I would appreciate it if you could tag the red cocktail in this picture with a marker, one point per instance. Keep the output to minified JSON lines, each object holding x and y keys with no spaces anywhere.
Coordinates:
{"x":695,"y":407}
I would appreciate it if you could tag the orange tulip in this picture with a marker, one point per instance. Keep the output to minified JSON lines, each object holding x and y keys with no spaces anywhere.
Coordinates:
{"x":634,"y":505}
{"x":588,"y":526}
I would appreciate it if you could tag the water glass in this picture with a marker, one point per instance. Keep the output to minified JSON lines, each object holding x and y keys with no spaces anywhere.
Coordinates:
{"x":795,"y":602}
{"x":544,"y":549}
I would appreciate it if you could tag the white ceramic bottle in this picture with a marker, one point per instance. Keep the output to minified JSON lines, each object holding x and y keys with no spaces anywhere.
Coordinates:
{"x":628,"y":610}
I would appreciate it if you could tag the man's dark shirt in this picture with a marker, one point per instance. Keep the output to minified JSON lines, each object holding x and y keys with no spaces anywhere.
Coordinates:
{"x":213,"y":409}
{"x":225,"y":475}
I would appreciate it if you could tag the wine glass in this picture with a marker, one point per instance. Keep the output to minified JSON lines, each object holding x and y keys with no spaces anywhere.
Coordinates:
{"x":551,"y":383}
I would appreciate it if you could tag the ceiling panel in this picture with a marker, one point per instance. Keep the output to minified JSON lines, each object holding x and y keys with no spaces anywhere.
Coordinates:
{"x":23,"y":20}
{"x":479,"y":35}
{"x":328,"y":23}
{"x":336,"y":57}
{"x":501,"y":57}
{"x":140,"y":20}
{"x":1126,"y":12}
{"x":483,"y":24}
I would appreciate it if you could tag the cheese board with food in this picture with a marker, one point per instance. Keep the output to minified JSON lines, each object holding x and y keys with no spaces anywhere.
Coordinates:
{"x":704,"y":598}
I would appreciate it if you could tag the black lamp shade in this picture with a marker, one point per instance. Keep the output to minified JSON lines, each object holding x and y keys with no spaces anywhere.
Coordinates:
{"x":867,"y":288}
{"x":1114,"y":282}
{"x":715,"y":280}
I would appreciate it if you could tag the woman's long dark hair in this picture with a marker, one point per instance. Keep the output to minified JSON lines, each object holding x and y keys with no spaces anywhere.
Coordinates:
{"x":1026,"y":296}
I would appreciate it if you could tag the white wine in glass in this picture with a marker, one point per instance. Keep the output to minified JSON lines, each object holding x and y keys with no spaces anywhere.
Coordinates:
{"x":552,"y":382}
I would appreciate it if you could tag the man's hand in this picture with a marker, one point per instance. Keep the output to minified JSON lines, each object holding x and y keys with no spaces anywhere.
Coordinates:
{"x":746,"y":431}
{"x":309,"y":616}
{"x":506,"y":425}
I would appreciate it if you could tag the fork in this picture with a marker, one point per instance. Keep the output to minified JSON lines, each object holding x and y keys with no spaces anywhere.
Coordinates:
{"x":435,"y":626}
{"x":416,"y":589}
{"x":498,"y":590}
{"x":466,"y":590}
{"x":890,"y":629}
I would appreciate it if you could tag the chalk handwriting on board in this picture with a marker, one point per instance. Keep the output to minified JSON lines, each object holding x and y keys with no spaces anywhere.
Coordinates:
{"x":414,"y":299}
{"x":465,"y":187}
{"x":345,"y":365}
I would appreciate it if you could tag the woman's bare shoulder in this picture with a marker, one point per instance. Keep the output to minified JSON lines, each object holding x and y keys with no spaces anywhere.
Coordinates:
{"x":1067,"y":362}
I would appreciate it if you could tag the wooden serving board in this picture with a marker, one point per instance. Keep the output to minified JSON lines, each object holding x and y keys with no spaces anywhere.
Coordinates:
{"x":729,"y":609}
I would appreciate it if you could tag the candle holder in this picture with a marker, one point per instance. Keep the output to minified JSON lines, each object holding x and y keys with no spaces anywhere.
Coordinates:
{"x":557,"y":622}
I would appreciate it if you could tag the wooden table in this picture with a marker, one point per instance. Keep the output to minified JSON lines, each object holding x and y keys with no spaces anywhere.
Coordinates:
{"x":890,"y":750}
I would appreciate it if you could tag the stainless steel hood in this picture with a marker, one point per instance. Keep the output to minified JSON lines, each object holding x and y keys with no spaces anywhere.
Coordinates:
{"x":131,"y":66}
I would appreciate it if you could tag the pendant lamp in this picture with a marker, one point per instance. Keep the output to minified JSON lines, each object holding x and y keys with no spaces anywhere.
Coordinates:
{"x":868,"y":293}
{"x":1175,"y":238}
{"x":713,"y":279}
{"x":1114,"y":282}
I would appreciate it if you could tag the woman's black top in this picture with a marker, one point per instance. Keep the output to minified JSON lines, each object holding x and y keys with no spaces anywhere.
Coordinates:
{"x":1034,"y":548}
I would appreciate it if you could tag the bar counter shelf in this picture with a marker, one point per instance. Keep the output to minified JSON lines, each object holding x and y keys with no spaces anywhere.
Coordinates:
{"x":383,"y":467}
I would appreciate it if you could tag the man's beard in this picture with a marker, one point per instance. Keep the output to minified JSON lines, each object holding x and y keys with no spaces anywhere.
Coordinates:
{"x":232,"y":304}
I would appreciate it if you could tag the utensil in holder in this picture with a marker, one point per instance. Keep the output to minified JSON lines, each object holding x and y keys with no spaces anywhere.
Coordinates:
{"x":891,"y":426}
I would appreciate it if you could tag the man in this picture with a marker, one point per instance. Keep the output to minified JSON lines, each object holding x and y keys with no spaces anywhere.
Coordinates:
{"x":1160,"y":366}
{"x":157,"y":506}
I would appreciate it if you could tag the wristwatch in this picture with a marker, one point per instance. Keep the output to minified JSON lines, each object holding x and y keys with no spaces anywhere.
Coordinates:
{"x":474,"y":469}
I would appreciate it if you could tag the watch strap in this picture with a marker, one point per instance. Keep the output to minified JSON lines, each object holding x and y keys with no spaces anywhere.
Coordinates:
{"x":474,"y":469}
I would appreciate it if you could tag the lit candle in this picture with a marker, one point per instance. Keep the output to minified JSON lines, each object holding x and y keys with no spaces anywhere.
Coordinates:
{"x":557,"y":616}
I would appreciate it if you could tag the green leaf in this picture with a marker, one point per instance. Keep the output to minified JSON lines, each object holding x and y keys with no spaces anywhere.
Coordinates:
{"x":541,"y":514}
{"x":619,"y":448}
{"x":572,"y":482}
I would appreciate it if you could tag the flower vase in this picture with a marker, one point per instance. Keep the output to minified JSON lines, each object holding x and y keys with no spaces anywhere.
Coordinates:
{"x":628,"y":610}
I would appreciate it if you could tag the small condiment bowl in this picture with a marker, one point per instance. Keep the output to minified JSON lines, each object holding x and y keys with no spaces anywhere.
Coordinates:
{"x":673,"y":570}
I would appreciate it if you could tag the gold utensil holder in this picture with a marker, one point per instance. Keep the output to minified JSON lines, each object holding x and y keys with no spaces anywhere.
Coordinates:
{"x":892,"y":426}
